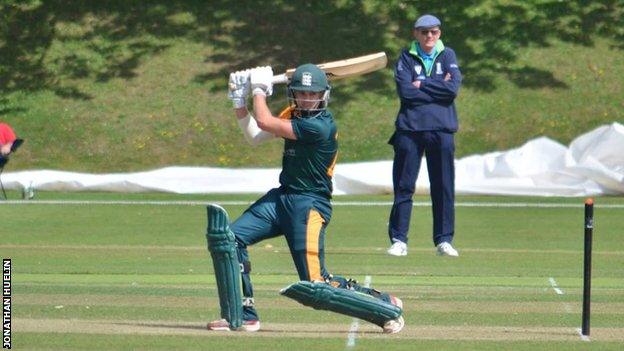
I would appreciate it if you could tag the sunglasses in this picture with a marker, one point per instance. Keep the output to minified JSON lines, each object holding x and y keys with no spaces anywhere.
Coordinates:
{"x":426,"y":32}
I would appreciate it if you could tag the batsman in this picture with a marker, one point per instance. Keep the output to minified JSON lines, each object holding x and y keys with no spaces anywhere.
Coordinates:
{"x":299,"y":209}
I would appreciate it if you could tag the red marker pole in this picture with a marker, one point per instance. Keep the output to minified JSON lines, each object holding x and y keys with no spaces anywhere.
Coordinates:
{"x":589,"y":228}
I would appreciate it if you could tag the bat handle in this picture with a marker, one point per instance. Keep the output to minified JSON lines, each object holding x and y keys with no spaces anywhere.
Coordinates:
{"x":280,"y":79}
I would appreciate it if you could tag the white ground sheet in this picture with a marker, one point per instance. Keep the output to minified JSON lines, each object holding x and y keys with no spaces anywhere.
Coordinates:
{"x":592,"y":164}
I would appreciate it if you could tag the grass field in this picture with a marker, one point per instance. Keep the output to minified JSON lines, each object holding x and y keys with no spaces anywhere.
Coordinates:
{"x":90,"y":272}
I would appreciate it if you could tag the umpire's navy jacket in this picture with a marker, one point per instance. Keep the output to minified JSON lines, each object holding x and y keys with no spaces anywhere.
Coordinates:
{"x":430,"y":107}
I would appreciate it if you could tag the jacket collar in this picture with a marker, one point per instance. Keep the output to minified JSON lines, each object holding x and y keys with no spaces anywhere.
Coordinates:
{"x":414,"y":48}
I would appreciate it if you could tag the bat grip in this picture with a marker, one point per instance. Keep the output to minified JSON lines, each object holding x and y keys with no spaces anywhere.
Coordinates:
{"x":280,"y":79}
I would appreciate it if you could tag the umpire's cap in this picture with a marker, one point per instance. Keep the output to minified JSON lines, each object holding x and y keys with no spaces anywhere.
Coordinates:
{"x":427,"y":21}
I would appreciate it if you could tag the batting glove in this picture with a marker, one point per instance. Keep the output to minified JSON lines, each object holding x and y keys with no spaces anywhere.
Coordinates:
{"x":239,"y":87}
{"x":262,"y":80}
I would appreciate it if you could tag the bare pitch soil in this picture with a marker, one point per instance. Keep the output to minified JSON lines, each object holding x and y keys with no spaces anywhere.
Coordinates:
{"x":419,"y":332}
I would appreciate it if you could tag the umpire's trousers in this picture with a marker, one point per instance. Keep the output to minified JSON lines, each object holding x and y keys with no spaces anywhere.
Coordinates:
{"x":439,"y":149}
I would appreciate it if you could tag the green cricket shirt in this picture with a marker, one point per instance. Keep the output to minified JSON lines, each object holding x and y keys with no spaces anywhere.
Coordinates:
{"x":308,"y":162}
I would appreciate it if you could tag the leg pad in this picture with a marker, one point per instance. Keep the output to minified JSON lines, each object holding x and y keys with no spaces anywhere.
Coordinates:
{"x":322,"y":296}
{"x":222,"y":248}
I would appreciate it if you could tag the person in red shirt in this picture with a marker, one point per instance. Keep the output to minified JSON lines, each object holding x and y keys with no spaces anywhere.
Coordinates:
{"x":7,"y":137}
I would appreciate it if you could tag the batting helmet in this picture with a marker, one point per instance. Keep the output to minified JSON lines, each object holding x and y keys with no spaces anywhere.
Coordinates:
{"x":309,"y":78}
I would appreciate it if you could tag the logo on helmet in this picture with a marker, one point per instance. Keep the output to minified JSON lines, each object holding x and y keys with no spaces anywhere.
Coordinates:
{"x":306,"y":79}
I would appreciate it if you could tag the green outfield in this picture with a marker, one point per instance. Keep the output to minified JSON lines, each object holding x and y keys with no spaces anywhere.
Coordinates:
{"x":128,"y":272}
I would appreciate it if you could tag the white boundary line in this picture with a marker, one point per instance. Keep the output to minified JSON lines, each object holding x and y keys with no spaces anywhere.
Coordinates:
{"x":355,"y":325}
{"x":334,"y":203}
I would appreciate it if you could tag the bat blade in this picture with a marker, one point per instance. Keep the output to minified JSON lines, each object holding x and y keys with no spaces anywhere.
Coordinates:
{"x":351,"y":67}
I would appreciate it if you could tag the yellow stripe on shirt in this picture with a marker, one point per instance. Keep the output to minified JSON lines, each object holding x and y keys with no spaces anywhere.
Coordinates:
{"x":286,"y":113}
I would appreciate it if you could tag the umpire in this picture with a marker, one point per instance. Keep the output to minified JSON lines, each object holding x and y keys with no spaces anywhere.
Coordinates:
{"x":428,"y":79}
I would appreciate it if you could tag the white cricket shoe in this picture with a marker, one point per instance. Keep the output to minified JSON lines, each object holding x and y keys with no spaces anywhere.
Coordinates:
{"x":399,"y":248}
{"x":396,"y":301}
{"x":223,"y":325}
{"x":394,"y":325}
{"x":446,"y":249}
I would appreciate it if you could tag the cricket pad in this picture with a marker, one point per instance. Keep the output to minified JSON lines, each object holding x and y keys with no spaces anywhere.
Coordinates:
{"x":222,"y":248}
{"x":322,"y":296}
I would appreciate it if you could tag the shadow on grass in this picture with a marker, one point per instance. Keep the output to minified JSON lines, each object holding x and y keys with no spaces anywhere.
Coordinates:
{"x":161,"y":325}
{"x":267,"y":328}
{"x":4,"y":109}
{"x":47,"y":44}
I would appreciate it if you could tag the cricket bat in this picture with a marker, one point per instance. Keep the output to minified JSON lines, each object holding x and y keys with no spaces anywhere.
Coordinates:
{"x":351,"y":67}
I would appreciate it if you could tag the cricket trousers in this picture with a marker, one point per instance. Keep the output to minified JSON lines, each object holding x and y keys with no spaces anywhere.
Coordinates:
{"x":300,"y":218}
{"x":439,"y":150}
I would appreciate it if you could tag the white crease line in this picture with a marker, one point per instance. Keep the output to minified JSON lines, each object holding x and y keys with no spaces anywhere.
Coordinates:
{"x":334,"y":203}
{"x":355,"y":325}
{"x":566,"y":306}
{"x":583,"y":337}
{"x":553,"y":283}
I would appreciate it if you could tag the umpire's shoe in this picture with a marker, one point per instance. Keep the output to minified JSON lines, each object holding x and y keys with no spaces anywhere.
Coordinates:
{"x":446,"y":249}
{"x":398,"y":248}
